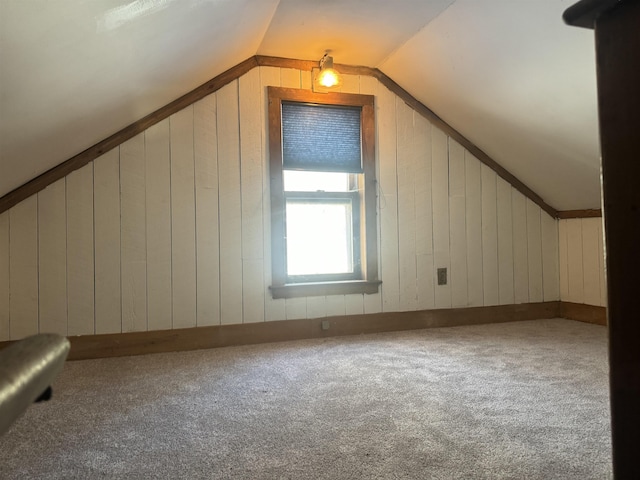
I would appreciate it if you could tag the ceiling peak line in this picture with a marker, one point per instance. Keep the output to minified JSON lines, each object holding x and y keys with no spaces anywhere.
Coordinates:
{"x":80,"y":160}
{"x":413,"y":35}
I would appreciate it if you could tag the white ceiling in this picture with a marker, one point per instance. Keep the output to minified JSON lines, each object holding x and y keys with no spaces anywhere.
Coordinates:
{"x":508,"y":74}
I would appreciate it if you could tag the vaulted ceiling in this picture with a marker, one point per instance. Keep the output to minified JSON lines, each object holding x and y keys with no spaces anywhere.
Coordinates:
{"x":509,"y":75}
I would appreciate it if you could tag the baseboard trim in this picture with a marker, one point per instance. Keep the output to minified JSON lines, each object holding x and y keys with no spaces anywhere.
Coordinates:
{"x":159,"y":341}
{"x":140,"y":343}
{"x":583,"y":313}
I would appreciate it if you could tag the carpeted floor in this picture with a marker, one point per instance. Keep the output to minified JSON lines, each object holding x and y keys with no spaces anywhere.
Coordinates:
{"x":526,"y":400}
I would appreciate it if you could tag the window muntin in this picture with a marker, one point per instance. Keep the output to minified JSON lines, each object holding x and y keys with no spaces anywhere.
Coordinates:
{"x":302,"y":181}
{"x":343,"y":198}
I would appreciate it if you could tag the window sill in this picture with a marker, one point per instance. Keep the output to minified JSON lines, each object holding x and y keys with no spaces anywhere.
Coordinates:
{"x":292,"y":290}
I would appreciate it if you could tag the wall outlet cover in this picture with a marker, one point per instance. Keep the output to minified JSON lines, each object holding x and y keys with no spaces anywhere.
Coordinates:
{"x":442,"y":276}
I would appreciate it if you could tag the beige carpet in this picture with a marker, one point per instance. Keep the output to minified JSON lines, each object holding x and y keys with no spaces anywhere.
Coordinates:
{"x":525,"y":400}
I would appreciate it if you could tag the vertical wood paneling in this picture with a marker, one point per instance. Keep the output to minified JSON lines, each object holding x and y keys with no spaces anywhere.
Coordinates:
{"x":534,"y":252}
{"x":296,"y":308}
{"x":406,"y":166}
{"x":457,"y":223}
{"x":336,"y":305}
{"x":183,"y":224}
{"x":474,"y":215}
{"x":290,"y":77}
{"x":23,"y":267}
{"x":575,"y":268}
{"x":52,"y":259}
{"x":370,"y":86}
{"x":4,"y":276}
{"x":424,"y":214}
{"x":350,"y":83}
{"x":274,"y":309}
{"x":252,"y":215}
{"x":316,"y":307}
{"x":388,"y":201}
{"x":306,"y":79}
{"x":372,"y":303}
{"x":230,"y":204}
{"x":80,"y":269}
{"x":563,"y":262}
{"x":591,"y":260}
{"x":490,"y":237}
{"x":158,"y":227}
{"x":354,"y":304}
{"x":440,"y":203}
{"x":106,"y":199}
{"x":602,"y":269}
{"x":175,"y":210}
{"x":581,"y":261}
{"x":133,"y":236}
{"x":207,"y":239}
{"x":505,"y":243}
{"x":550,"y":277}
{"x":520,"y":256}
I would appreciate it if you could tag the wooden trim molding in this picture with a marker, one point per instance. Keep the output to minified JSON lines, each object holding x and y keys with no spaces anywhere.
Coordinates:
{"x":308,"y":65}
{"x":462,"y":140}
{"x":423,"y":110}
{"x":617,"y":41}
{"x":74,"y":163}
{"x":293,"y":290}
{"x":590,"y":213}
{"x":95,"y":346}
{"x":583,"y":313}
{"x":78,"y":161}
{"x":141,"y":343}
{"x":366,"y":275}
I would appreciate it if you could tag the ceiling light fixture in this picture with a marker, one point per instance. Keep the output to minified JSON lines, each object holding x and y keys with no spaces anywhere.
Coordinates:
{"x":326,"y":78}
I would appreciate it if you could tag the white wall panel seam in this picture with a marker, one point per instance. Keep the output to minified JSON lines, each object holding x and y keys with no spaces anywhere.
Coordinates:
{"x":171,"y":221}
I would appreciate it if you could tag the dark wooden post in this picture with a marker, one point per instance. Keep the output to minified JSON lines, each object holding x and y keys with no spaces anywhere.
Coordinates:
{"x":617,"y":33}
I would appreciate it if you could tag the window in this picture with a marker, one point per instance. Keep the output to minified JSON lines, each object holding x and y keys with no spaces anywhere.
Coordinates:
{"x":323,"y":216}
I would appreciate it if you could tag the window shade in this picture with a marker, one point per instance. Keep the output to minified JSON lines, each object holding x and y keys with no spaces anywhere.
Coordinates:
{"x":321,"y":138}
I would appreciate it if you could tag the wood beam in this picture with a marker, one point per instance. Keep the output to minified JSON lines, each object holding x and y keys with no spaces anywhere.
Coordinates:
{"x":78,"y":161}
{"x":140,"y":343}
{"x":589,"y":213}
{"x":618,"y":71}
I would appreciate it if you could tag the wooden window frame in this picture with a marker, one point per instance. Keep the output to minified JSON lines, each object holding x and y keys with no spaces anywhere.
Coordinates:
{"x":368,"y":283}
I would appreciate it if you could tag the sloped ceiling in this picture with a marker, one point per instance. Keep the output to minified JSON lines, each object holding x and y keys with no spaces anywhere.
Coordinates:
{"x":509,"y":75}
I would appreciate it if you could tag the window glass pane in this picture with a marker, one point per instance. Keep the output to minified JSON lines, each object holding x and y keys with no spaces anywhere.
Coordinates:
{"x":319,"y":237}
{"x":321,"y":137}
{"x":300,"y":181}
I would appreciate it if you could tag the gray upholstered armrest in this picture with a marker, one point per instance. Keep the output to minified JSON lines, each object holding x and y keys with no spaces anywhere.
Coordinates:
{"x":27,"y":369}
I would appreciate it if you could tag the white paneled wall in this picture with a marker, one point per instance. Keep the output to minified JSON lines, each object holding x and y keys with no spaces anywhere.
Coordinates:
{"x":581,"y":261}
{"x":172,"y":228}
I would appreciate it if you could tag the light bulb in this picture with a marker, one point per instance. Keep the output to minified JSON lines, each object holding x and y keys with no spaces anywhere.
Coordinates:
{"x":328,"y":78}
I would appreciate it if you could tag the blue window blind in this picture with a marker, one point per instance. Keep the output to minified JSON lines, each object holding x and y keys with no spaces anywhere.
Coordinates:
{"x":321,"y":138}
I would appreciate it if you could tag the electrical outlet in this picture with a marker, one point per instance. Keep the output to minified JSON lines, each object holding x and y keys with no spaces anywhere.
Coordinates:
{"x":442,"y":276}
{"x":325,"y":325}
